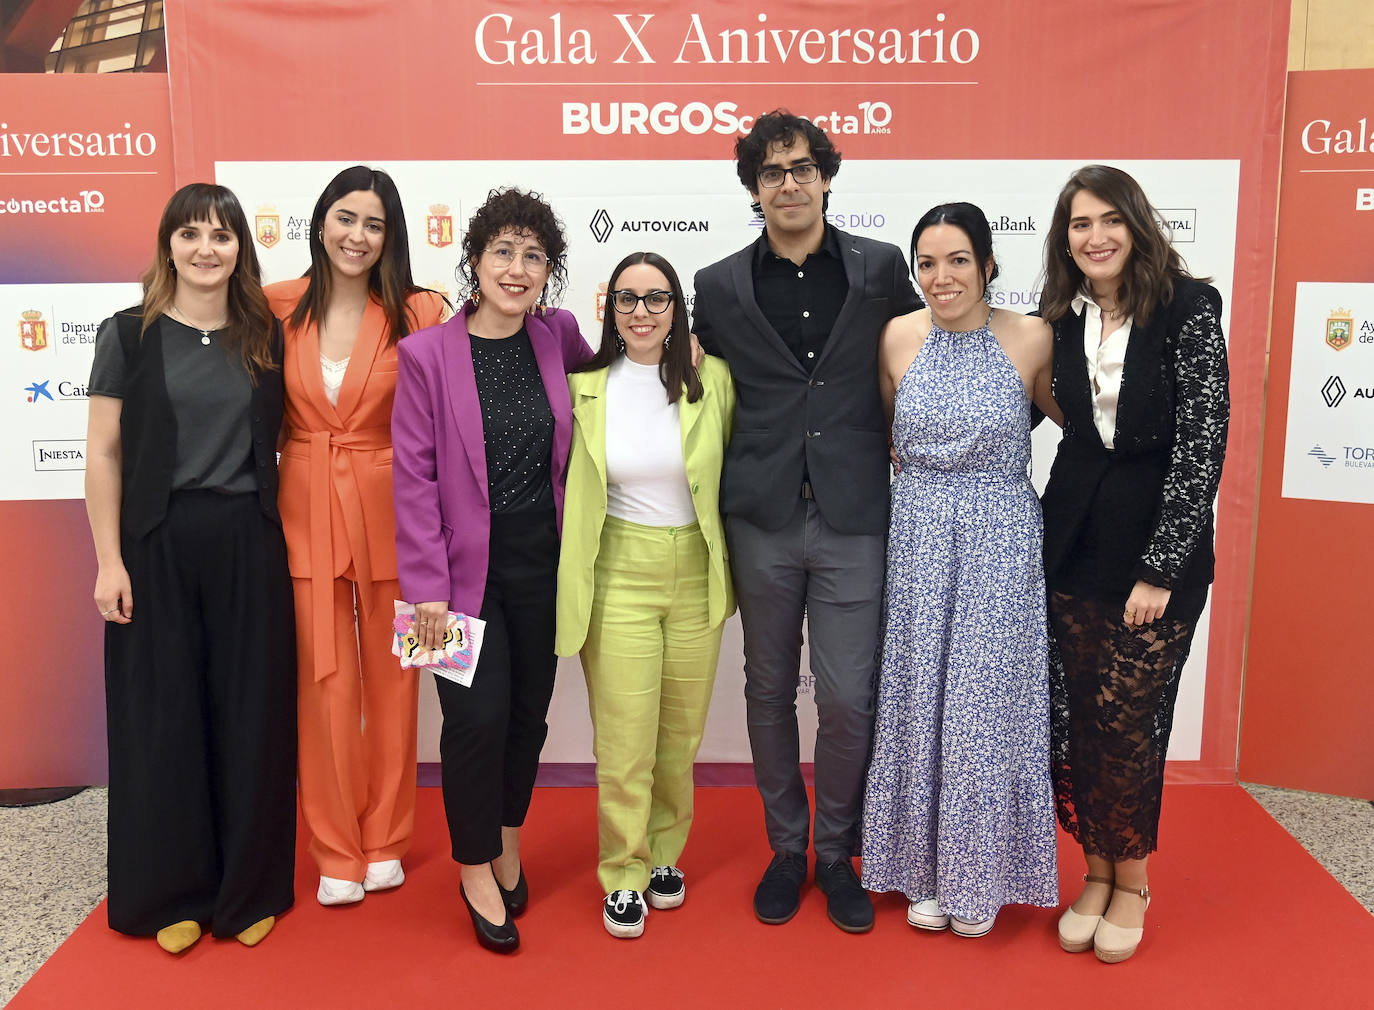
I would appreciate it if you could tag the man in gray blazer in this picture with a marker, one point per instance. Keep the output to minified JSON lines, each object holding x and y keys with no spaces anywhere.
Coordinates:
{"x":797,"y":315}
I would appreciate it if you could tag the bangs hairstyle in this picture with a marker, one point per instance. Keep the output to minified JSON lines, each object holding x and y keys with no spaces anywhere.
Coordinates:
{"x":783,"y":128}
{"x":1147,"y":281}
{"x":249,"y":318}
{"x":525,"y":213}
{"x":675,"y":369}
{"x":970,"y":219}
{"x":390,"y":281}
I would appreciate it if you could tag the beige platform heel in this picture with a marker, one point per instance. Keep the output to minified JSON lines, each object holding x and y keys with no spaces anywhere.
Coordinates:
{"x":1076,"y":929}
{"x":1114,"y":943}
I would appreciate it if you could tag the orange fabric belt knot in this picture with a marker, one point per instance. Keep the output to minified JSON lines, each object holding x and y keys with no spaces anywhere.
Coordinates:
{"x":331,"y":469}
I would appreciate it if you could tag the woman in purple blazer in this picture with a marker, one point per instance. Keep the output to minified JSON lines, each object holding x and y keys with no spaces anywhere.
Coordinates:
{"x":481,"y":429}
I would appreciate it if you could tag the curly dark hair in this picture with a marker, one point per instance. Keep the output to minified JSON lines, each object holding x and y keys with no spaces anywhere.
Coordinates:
{"x":525,"y":213}
{"x":781,"y":127}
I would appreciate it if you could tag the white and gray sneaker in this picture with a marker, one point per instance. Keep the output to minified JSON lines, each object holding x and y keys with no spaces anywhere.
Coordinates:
{"x":927,"y":914}
{"x":667,"y":888}
{"x":971,"y":927}
{"x":624,"y":913}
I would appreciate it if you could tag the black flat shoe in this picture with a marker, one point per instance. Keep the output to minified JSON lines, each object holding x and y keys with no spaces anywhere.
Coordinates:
{"x":517,"y":897}
{"x":503,"y":939}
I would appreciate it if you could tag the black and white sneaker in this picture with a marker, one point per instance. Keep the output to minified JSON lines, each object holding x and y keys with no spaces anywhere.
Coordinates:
{"x":624,"y":913}
{"x":667,"y":889}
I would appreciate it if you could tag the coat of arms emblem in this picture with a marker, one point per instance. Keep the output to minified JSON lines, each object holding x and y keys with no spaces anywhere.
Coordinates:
{"x":439,"y":226}
{"x":1340,"y":328}
{"x":267,"y":226}
{"x":33,"y":330}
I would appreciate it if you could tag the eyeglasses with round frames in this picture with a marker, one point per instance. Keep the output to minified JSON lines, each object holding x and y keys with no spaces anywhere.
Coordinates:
{"x":772,"y":176}
{"x":656,"y":302}
{"x":503,"y":256}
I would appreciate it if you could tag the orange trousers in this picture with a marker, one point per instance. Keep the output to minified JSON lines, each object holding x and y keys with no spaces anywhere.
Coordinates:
{"x":357,"y":734}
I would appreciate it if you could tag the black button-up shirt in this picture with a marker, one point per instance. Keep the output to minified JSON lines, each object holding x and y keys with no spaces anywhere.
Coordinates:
{"x":801,"y":302}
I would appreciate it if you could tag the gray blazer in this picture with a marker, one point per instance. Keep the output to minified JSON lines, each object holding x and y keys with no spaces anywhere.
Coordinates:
{"x":828,"y":424}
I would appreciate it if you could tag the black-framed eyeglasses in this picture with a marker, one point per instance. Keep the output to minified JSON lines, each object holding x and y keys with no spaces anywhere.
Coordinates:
{"x":772,"y":176}
{"x":626,"y":300}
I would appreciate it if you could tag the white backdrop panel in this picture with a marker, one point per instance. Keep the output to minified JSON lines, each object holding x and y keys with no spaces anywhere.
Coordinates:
{"x":1329,"y":449}
{"x":43,"y":414}
{"x":695,"y":212}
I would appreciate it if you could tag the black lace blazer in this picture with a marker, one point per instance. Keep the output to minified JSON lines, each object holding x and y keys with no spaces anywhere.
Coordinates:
{"x":1143,"y":510}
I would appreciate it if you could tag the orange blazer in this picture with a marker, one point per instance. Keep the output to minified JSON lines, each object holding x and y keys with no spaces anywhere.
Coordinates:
{"x":335,"y":496}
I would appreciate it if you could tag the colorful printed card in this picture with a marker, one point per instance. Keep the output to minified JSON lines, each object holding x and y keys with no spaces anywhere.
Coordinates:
{"x":455,"y":661}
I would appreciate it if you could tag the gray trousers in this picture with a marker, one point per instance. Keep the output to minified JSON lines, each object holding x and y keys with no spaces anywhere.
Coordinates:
{"x":835,"y":580}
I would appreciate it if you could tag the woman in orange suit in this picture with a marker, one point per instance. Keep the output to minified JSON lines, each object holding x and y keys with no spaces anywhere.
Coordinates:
{"x":356,"y":705}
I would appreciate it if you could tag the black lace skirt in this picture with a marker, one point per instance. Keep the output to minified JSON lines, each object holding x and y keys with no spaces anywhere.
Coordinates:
{"x":1112,"y":693}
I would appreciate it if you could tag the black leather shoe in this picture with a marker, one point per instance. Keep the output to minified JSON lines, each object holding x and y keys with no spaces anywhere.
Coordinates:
{"x":847,"y":903}
{"x":503,"y":939}
{"x":517,"y":897}
{"x":778,"y":895}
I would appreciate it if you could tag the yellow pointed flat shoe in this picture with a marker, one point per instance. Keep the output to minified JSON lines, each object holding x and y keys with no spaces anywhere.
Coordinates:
{"x":253,"y":935}
{"x":178,"y":936}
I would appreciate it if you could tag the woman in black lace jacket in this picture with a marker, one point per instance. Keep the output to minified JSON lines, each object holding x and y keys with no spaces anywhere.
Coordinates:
{"x":1140,"y":373}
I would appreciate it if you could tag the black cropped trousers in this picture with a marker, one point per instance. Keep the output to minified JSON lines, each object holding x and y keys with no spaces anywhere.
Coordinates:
{"x":494,"y":730}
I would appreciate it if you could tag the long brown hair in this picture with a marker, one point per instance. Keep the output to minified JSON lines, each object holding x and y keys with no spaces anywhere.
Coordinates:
{"x":390,"y":281}
{"x":1147,"y":281}
{"x":249,"y":320}
{"x":675,"y":369}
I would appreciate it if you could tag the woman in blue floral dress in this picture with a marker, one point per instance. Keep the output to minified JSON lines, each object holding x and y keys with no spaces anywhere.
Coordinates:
{"x":959,"y":811}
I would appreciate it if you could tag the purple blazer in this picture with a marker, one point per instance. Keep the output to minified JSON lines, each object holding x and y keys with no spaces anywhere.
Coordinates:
{"x":443,"y":508}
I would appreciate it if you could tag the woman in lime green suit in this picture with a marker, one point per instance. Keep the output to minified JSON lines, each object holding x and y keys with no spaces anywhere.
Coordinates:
{"x":643,"y":578}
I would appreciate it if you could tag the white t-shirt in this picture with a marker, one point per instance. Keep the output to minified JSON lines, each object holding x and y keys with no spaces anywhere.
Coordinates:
{"x":646,"y":478}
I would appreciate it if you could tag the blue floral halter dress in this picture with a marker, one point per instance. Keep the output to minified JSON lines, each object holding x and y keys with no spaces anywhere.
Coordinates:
{"x":958,"y":805}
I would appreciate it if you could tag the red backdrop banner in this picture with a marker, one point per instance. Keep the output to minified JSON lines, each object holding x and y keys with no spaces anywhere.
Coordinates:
{"x":896,"y":82}
{"x":1309,"y":693}
{"x":85,"y":167}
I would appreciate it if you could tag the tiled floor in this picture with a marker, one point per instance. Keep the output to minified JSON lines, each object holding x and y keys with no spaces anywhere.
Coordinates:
{"x":53,"y":868}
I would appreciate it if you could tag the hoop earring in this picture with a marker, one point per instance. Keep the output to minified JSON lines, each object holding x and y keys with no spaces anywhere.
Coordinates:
{"x":619,"y":344}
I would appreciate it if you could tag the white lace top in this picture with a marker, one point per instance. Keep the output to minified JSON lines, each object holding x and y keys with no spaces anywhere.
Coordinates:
{"x":333,"y":377}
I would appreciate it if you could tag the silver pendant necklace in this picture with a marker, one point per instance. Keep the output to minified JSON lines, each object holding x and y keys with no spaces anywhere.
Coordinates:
{"x":204,"y":331}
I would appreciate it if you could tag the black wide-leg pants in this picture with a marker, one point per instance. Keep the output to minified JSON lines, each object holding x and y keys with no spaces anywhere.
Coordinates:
{"x":201,"y":707}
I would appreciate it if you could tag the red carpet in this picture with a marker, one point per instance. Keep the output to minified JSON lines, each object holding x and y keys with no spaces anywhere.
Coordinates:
{"x":1242,"y":917}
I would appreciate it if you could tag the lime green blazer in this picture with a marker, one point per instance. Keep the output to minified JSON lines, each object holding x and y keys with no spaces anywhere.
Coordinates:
{"x":705,"y":433}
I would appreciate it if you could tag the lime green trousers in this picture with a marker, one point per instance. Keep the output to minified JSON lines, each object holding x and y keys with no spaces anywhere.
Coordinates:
{"x":650,"y":663}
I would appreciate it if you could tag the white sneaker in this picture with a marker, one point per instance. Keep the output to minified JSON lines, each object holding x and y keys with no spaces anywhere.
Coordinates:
{"x":384,"y":875}
{"x":927,"y":915}
{"x":971,"y":928}
{"x":623,"y":913}
{"x":334,"y":891}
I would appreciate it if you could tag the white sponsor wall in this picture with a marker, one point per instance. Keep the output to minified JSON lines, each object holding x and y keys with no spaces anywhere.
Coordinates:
{"x":43,"y":414}
{"x":695,"y":212}
{"x":1329,"y":450}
